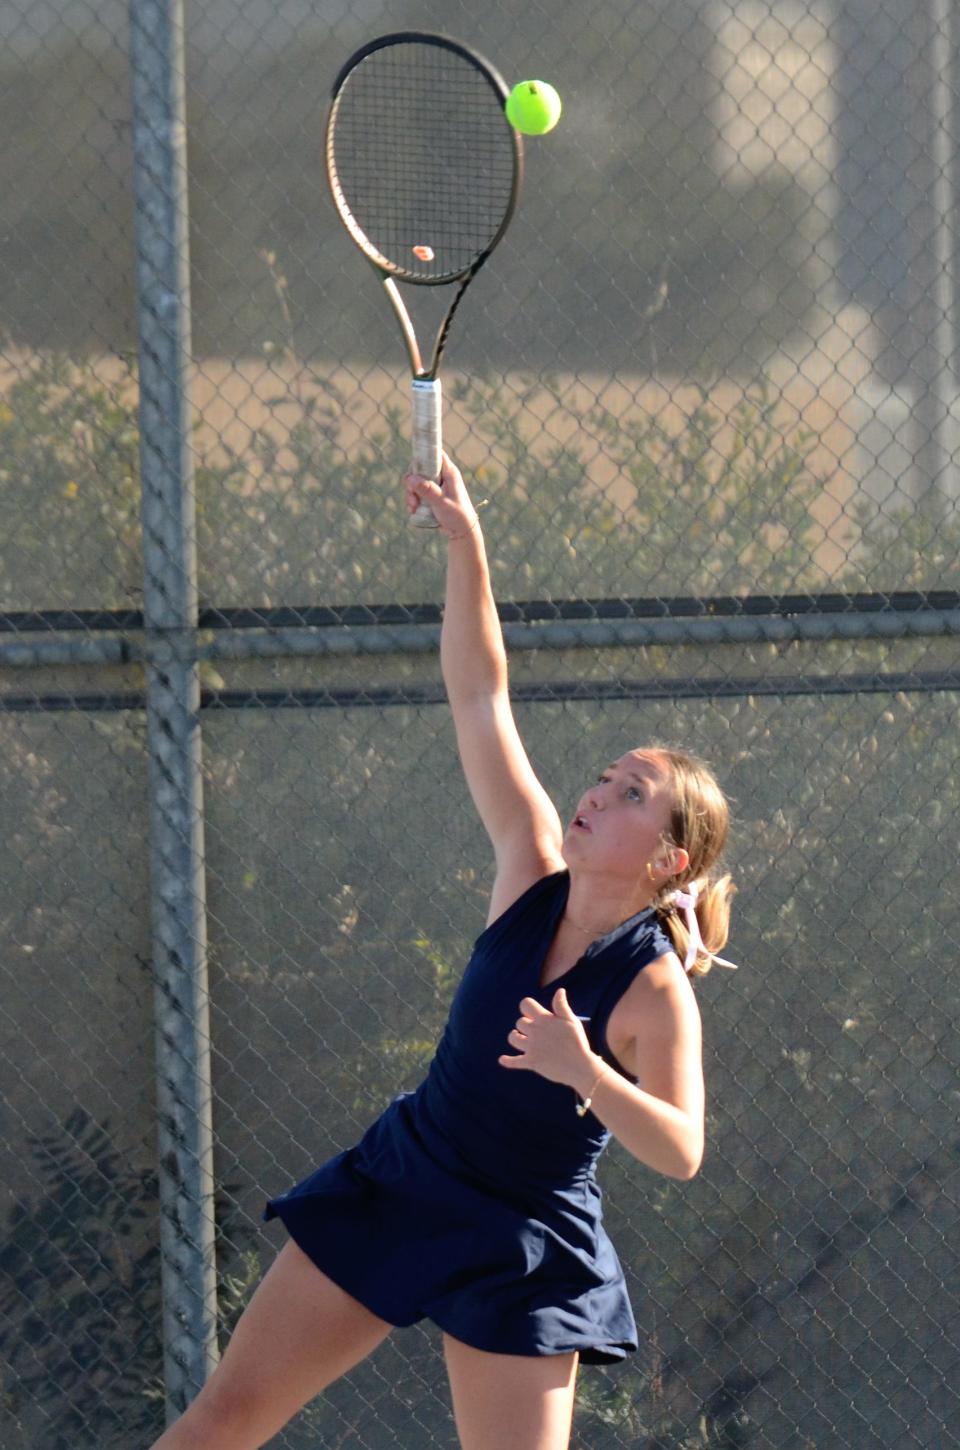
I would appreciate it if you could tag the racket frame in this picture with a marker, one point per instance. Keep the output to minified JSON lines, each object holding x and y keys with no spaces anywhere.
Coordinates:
{"x":426,"y":392}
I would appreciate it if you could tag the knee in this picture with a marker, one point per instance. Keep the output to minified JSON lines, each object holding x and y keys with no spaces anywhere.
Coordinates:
{"x":222,"y":1417}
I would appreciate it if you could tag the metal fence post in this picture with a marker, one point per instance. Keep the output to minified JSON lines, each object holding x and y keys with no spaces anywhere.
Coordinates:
{"x":173,"y":699}
{"x":937,"y":404}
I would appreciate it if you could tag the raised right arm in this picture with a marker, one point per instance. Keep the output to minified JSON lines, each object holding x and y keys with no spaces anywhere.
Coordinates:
{"x":516,"y":811}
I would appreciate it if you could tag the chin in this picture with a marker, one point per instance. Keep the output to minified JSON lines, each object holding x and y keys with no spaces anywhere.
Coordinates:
{"x":570,"y":846}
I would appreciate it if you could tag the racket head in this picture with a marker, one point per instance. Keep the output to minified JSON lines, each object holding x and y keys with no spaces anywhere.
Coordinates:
{"x":422,"y":163}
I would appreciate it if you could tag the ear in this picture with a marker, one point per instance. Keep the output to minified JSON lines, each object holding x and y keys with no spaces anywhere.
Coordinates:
{"x":678,"y":860}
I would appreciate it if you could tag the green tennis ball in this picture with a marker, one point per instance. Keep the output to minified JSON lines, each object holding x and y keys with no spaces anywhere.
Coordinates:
{"x":533,"y":107}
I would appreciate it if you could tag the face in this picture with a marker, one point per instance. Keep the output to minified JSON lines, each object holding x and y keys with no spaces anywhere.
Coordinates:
{"x":621,"y":820}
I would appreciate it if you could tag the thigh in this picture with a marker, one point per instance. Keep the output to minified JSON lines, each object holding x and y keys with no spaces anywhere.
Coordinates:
{"x":298,"y":1334}
{"x":511,"y":1401}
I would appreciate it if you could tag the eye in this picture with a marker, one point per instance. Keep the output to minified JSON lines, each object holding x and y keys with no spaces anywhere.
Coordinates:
{"x":635,"y":793}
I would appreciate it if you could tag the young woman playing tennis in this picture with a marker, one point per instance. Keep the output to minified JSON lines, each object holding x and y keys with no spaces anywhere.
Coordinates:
{"x":472,"y":1201}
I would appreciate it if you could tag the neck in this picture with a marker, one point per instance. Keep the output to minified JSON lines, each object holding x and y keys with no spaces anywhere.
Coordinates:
{"x":596,"y":908}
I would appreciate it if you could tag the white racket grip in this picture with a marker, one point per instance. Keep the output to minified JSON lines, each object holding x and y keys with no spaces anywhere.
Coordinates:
{"x":427,"y":398}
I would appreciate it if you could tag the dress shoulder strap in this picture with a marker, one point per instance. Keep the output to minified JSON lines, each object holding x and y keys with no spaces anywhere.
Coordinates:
{"x":542,"y":894}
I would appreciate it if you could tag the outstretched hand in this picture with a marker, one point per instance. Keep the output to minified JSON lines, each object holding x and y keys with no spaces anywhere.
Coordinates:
{"x":553,"y":1044}
{"x":448,"y":499}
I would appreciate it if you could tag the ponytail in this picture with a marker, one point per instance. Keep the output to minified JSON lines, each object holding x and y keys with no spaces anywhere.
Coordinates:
{"x":710,"y":902}
{"x":699,"y":823}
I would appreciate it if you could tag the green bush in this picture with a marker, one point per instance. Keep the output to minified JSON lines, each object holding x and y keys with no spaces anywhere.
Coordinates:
{"x":83,"y":1256}
{"x":716,"y":506}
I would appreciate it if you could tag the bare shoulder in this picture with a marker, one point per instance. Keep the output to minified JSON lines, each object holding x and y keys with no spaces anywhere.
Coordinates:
{"x":658,"y":1025}
{"x":518,"y":870}
{"x":662,"y":986}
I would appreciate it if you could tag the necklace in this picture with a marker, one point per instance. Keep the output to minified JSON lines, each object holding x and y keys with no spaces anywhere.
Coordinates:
{"x":588,"y":930}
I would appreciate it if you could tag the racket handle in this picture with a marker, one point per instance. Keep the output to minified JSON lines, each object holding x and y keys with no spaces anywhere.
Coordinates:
{"x":426,"y":442}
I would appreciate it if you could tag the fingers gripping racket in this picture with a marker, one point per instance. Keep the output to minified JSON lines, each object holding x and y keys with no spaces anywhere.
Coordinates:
{"x":425,"y":170}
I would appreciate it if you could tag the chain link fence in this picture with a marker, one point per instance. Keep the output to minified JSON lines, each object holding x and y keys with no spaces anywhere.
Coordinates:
{"x":708,"y":385}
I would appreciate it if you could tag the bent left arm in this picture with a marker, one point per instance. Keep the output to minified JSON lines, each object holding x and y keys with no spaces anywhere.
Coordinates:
{"x":660,"y":1120}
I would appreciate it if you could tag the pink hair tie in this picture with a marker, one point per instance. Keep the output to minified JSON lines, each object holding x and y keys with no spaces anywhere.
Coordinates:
{"x":687,"y":902}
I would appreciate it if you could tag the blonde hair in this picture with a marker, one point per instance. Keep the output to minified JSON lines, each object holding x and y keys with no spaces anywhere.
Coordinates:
{"x":700,"y":824}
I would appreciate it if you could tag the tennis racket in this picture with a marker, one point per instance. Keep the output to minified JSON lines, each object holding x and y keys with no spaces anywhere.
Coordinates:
{"x":424,"y":169}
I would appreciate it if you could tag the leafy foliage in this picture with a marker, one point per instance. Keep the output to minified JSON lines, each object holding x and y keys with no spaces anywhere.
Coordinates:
{"x":80,"y":1313}
{"x":84,"y":1257}
{"x":707,"y":505}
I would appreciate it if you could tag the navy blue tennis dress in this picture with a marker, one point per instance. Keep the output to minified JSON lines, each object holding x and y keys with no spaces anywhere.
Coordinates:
{"x":473,"y":1201}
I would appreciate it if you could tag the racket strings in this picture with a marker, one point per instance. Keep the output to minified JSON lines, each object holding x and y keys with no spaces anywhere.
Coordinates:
{"x":421,"y":159}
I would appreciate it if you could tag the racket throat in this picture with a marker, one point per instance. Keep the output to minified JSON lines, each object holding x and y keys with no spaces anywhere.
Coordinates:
{"x":406,"y":328}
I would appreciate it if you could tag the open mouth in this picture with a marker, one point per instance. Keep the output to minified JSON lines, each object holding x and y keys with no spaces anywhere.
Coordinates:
{"x":579,"y":823}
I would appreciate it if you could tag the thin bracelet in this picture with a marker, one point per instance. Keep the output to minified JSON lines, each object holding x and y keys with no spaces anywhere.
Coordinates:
{"x":584,"y":1107}
{"x":476,"y":520}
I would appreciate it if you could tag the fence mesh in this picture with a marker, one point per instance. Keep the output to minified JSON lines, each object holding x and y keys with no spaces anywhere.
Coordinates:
{"x":708,"y":386}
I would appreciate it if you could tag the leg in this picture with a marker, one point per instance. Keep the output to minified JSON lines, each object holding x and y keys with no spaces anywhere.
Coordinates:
{"x":511,"y":1401}
{"x":298,"y":1334}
